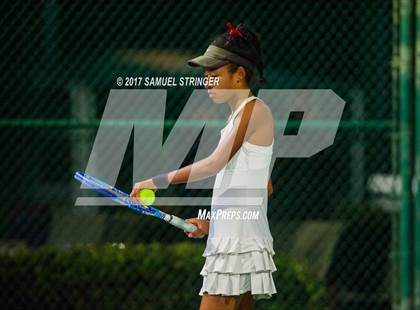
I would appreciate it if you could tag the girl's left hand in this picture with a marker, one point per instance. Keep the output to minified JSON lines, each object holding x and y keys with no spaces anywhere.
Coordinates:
{"x":141,"y":185}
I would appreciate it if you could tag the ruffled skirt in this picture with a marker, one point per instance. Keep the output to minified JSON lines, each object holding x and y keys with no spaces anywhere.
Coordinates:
{"x":234,"y":266}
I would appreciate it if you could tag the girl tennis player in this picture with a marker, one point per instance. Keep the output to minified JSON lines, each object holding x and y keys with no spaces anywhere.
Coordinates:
{"x":239,"y":265}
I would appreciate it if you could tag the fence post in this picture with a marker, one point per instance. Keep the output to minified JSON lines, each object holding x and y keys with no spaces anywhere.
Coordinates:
{"x":416,"y":53}
{"x":406,"y":147}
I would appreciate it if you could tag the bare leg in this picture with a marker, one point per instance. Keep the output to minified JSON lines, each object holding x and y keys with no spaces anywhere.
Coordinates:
{"x":246,"y":302}
{"x":219,"y":302}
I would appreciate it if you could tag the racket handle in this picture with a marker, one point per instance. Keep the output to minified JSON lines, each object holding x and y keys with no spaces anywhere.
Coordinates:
{"x":181,"y":224}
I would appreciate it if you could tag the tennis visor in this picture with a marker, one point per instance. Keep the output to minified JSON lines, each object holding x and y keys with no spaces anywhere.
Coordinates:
{"x":215,"y":57}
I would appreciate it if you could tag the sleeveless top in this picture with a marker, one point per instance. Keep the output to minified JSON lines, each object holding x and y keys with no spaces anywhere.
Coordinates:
{"x":240,"y":192}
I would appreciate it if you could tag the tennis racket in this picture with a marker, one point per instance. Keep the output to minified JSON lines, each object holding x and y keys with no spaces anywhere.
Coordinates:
{"x":124,"y":199}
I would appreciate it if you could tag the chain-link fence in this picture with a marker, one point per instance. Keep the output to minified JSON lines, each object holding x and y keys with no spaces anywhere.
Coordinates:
{"x":334,"y":216}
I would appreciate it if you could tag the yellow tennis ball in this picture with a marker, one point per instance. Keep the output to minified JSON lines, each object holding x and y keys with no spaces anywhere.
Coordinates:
{"x":146,"y":197}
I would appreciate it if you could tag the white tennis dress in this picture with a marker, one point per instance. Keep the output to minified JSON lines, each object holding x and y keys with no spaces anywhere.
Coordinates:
{"x":240,"y":246}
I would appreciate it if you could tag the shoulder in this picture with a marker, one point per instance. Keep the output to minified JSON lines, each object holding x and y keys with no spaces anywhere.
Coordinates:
{"x":260,"y":116}
{"x":261,"y":109}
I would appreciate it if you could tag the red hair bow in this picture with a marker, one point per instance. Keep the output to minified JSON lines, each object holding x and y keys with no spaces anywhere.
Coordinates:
{"x":234,"y":31}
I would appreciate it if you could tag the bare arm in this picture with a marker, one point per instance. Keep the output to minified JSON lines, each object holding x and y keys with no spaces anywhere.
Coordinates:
{"x":212,"y":164}
{"x":270,"y":187}
{"x":243,"y":127}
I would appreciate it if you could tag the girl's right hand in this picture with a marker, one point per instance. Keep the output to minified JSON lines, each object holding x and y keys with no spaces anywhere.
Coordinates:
{"x":202,"y":228}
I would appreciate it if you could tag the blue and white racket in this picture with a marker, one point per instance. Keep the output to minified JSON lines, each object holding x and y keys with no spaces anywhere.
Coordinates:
{"x":124,"y":199}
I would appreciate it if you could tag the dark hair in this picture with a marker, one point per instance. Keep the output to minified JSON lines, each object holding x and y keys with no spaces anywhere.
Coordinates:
{"x":247,"y":46}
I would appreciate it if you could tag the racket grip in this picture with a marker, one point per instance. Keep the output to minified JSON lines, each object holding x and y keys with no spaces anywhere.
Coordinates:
{"x":181,"y":224}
